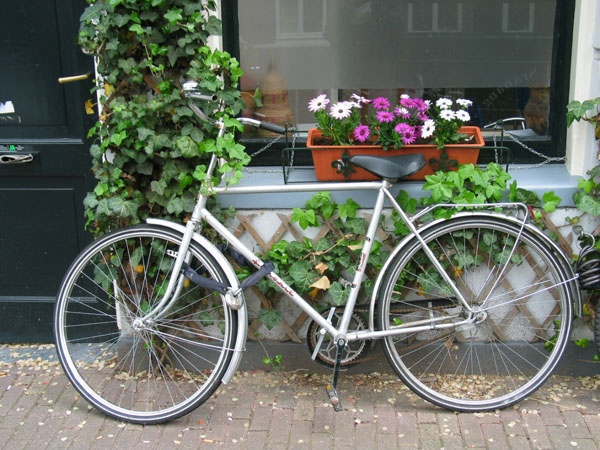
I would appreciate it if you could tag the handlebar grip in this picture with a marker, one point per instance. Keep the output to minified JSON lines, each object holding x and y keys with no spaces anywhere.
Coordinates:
{"x":272,"y":127}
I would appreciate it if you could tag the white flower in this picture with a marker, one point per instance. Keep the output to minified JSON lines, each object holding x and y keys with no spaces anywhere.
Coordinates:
{"x":463,"y":116}
{"x":318,"y":103}
{"x":428,"y":128}
{"x":447,"y":114}
{"x":464,"y":102}
{"x":443,"y":103}
{"x":341,"y":110}
{"x":405,"y":96}
{"x":359,"y":99}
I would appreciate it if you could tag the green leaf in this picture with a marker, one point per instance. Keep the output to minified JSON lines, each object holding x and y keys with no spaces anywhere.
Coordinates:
{"x":586,"y":185}
{"x":90,"y":201}
{"x":174,"y":15}
{"x":175,"y":205}
{"x":407,"y":203}
{"x":187,"y":146}
{"x":101,"y":189}
{"x":269,"y":317}
{"x":551,"y":201}
{"x":127,"y":65}
{"x":338,"y":293}
{"x":356,"y":225}
{"x":118,"y":138}
{"x":304,"y":218}
{"x":303,"y":275}
{"x":587,"y":203}
{"x":322,"y":203}
{"x":159,"y":186}
{"x":136,"y":28}
{"x":348,"y":209}
{"x":123,"y":208}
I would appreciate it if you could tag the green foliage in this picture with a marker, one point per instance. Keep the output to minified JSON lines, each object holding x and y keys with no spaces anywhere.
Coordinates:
{"x":312,"y":267}
{"x":587,"y":197}
{"x":151,"y":153}
{"x":551,"y":201}
{"x":577,"y":111}
{"x":269,"y":317}
{"x":469,"y":184}
{"x":274,"y":362}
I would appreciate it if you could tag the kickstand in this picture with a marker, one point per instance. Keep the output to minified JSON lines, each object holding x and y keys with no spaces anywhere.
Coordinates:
{"x":332,"y":393}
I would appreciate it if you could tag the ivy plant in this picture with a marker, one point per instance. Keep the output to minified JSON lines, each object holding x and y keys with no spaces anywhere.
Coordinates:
{"x":587,"y":197}
{"x":150,"y":152}
{"x":587,"y":110}
{"x":318,"y":267}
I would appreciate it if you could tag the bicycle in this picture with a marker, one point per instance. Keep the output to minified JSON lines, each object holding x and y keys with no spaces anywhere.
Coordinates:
{"x":150,"y":319}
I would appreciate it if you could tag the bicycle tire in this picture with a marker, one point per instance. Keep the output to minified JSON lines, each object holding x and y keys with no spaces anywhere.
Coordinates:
{"x":147,"y":374}
{"x":524,"y":322}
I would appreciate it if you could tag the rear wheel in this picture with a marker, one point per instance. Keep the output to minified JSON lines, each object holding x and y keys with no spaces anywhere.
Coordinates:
{"x":129,"y":370}
{"x":523,"y":312}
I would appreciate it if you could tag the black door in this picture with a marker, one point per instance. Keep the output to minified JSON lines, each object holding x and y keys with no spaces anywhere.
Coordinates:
{"x":44,"y":160}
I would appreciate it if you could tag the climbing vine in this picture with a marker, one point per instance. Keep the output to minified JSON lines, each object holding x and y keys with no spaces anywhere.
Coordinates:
{"x":150,"y":152}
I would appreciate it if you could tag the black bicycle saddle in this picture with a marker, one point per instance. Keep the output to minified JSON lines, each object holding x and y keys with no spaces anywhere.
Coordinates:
{"x":390,"y":167}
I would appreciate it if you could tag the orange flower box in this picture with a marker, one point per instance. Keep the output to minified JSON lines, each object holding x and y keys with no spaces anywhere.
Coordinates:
{"x":329,"y":160}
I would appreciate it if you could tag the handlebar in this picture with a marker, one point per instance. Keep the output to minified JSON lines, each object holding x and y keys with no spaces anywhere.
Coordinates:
{"x":191,"y":89}
{"x":264,"y":125}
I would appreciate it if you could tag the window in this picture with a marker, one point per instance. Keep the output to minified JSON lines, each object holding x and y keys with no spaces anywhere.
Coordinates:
{"x":510,"y":57}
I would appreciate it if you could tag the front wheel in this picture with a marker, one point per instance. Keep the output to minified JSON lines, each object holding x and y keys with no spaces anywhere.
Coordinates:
{"x":522,"y":304}
{"x":144,"y":373}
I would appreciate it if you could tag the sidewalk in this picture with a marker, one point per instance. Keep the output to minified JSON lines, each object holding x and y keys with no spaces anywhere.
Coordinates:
{"x":281,"y":410}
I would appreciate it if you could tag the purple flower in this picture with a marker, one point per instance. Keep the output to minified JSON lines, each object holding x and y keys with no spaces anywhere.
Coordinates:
{"x":361,"y":133}
{"x":423,"y":117}
{"x":385,"y":116}
{"x":410,"y":136}
{"x":421,"y":105}
{"x":381,"y":103}
{"x":408,"y":102}
{"x":402,"y":128}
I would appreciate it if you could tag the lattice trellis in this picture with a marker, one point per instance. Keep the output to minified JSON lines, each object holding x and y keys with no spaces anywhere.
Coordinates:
{"x":286,"y":226}
{"x":291,"y":330}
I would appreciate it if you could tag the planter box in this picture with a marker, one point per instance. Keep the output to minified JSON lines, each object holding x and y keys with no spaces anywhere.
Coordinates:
{"x":330,"y":160}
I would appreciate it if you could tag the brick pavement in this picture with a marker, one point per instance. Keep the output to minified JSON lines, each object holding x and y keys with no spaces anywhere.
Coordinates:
{"x":288,"y":410}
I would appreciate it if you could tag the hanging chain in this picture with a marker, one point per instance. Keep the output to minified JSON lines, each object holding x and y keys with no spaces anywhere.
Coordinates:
{"x":266,"y":147}
{"x":546,"y":159}
{"x":270,"y":144}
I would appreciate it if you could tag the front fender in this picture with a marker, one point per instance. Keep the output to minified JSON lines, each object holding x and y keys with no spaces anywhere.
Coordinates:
{"x":569,"y":273}
{"x":240,"y":343}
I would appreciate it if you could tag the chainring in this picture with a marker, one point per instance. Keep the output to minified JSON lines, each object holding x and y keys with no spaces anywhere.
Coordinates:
{"x":354,"y":352}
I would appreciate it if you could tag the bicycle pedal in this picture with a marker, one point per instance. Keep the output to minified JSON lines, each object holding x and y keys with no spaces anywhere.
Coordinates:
{"x":334,"y":398}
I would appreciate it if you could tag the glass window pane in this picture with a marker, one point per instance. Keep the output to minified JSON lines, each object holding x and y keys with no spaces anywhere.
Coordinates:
{"x":497,"y":53}
{"x":312,"y":19}
{"x":288,"y":16}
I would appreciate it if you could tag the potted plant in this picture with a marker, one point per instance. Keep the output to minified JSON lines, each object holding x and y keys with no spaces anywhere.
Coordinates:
{"x":376,"y":127}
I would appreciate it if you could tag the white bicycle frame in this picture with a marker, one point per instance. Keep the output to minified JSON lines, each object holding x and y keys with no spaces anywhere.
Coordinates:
{"x":201,"y":214}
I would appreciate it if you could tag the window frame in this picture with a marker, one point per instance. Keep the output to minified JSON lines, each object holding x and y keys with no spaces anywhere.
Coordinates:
{"x":551,"y":145}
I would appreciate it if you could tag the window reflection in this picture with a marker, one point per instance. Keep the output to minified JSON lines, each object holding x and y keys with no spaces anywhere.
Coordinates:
{"x":497,"y":53}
